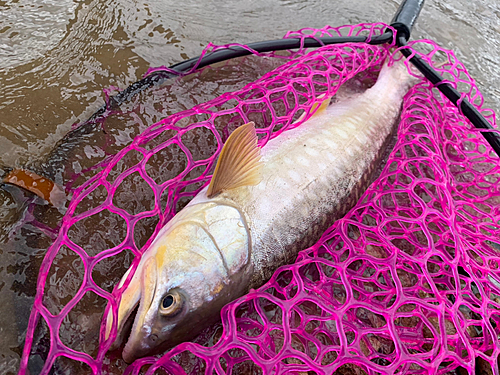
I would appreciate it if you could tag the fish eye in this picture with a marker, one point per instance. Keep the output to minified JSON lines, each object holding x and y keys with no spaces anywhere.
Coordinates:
{"x":171,"y":303}
{"x":167,"y":301}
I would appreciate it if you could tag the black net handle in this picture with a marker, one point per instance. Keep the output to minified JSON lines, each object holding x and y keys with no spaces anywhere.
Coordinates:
{"x":403,"y":23}
{"x":406,"y":16}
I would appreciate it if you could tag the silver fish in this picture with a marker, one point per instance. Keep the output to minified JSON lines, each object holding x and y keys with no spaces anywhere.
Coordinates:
{"x":261,"y":208}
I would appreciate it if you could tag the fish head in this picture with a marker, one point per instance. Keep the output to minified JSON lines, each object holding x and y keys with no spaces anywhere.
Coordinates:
{"x":191,"y":270}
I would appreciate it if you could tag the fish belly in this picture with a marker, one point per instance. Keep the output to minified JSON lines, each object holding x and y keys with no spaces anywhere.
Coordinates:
{"x":312,"y":176}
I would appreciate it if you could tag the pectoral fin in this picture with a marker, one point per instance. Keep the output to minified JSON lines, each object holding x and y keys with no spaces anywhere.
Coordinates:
{"x":239,"y":161}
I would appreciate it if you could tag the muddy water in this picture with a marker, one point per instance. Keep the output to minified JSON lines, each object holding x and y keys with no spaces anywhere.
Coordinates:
{"x":56,"y":57}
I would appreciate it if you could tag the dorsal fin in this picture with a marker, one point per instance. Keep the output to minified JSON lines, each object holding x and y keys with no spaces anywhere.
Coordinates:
{"x":322,"y":107}
{"x":239,"y":161}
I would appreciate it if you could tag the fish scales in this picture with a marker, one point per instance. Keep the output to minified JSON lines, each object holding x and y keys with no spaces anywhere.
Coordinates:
{"x":235,"y":233}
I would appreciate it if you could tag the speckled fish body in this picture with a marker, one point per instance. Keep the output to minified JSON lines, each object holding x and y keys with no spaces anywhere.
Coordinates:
{"x":217,"y":248}
{"x":316,"y":172}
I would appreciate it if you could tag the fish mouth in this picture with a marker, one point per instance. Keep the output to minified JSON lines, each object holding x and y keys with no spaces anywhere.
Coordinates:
{"x":134,"y":346}
{"x":130,"y":348}
{"x":137,"y":344}
{"x":129,"y":352}
{"x":123,"y":335}
{"x":136,"y":300}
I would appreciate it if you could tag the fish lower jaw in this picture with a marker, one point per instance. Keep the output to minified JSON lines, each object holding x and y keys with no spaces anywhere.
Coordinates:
{"x":131,"y":352}
{"x":127,"y":355}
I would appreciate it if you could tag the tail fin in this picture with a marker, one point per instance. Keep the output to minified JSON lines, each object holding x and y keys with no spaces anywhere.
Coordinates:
{"x":398,"y":74}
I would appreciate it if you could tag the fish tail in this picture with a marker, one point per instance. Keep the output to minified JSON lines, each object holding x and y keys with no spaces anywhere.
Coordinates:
{"x":396,"y":72}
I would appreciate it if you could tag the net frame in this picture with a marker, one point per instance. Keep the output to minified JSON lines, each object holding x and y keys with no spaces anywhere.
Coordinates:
{"x":424,"y":196}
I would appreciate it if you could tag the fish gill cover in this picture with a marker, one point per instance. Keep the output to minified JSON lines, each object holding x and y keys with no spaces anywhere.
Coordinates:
{"x":407,"y":282}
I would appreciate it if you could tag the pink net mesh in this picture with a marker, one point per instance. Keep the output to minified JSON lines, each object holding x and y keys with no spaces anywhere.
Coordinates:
{"x":407,"y":282}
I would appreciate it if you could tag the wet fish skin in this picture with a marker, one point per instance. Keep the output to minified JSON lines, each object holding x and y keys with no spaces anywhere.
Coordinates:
{"x":217,"y":248}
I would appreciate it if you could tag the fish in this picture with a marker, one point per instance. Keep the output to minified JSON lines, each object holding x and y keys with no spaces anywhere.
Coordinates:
{"x":262,"y":206}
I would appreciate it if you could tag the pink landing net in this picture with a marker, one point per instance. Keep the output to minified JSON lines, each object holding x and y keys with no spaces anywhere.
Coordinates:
{"x":408,"y":282}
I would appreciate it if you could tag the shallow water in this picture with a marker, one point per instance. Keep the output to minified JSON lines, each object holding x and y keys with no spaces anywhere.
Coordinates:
{"x":57,"y":57}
